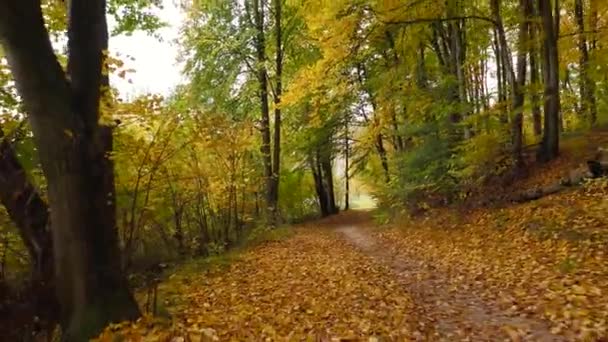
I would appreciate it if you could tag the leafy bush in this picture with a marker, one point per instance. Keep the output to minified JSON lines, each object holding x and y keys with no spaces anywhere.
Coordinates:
{"x":423,"y":171}
{"x":480,"y":157}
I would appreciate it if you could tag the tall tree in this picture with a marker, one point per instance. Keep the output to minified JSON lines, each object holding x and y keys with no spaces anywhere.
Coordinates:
{"x":549,"y":148}
{"x":346,"y":163}
{"x":519,"y":82}
{"x":262,"y":74}
{"x":276,"y":153}
{"x":63,"y":109}
{"x":588,"y":106}
{"x":516,"y":79}
{"x":534,"y":69}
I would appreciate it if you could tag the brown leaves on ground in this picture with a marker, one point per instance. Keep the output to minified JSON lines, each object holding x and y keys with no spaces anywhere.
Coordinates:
{"x":545,"y":258}
{"x":312,"y":286}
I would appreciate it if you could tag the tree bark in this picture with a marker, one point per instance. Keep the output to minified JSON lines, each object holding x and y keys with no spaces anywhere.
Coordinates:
{"x":64,"y":112}
{"x":276,"y":160}
{"x":549,"y":148}
{"x":262,"y":74}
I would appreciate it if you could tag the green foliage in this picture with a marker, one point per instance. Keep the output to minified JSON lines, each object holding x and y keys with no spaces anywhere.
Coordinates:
{"x":382,"y":216}
{"x":296,"y":191}
{"x":425,"y":169}
{"x":132,"y":15}
{"x":214,"y":248}
{"x":480,"y":157}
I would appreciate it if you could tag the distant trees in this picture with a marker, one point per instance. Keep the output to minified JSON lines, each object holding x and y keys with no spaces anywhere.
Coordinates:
{"x":444,"y":88}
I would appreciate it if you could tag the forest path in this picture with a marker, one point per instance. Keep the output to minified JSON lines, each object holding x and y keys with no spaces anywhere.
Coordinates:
{"x":336,"y":280}
{"x":443,"y":311}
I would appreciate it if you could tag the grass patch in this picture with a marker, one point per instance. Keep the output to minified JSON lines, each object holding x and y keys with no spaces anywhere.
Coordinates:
{"x":261,"y":235}
{"x":177,"y":279}
{"x":382,"y":216}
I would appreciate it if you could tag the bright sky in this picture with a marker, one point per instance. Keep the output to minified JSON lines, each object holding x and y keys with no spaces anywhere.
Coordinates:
{"x":155,"y":61}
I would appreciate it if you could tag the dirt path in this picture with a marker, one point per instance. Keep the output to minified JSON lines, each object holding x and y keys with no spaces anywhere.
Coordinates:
{"x":332,"y":281}
{"x":445,"y":312}
{"x":313,"y":286}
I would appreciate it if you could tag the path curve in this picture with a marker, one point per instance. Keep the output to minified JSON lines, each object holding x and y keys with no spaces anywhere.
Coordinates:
{"x":446,"y":313}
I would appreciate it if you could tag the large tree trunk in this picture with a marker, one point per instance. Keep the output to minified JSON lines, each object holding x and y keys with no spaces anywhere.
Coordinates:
{"x":73,"y":147}
{"x":260,"y":47}
{"x":550,"y":143}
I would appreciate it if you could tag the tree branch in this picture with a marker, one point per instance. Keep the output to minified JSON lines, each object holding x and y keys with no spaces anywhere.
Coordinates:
{"x":438,"y":20}
{"x":571,"y":34}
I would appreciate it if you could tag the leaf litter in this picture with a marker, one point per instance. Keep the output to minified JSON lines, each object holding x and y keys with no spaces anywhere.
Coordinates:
{"x":311,"y":287}
{"x":506,"y":274}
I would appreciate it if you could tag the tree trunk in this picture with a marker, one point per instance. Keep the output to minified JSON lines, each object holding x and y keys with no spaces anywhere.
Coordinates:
{"x":276,"y":160}
{"x":588,"y":106}
{"x":317,"y":173}
{"x":328,"y":179}
{"x":73,"y":147}
{"x":421,"y":73}
{"x":593,"y":20}
{"x":383,"y":157}
{"x":457,"y":46}
{"x":379,"y":143}
{"x":534,"y":78}
{"x":346,"y":165}
{"x":500,"y":77}
{"x":516,"y":81}
{"x":550,"y":143}
{"x":520,"y":82}
{"x":260,"y":46}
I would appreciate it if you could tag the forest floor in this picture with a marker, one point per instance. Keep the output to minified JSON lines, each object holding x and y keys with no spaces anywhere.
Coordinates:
{"x":534,"y":271}
{"x":346,"y":279}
